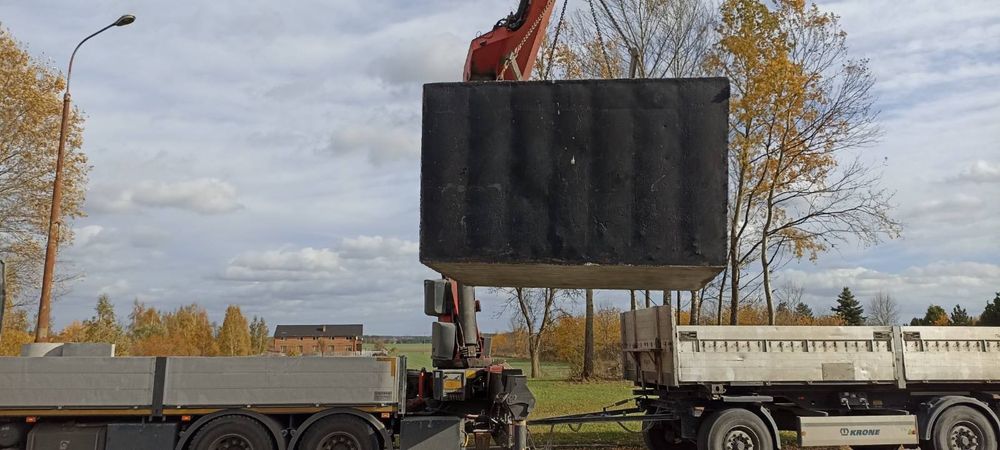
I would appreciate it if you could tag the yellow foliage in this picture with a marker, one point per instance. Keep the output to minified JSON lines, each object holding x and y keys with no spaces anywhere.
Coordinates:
{"x":10,"y":344}
{"x":30,"y":115}
{"x":234,"y":335}
{"x":565,"y":343}
{"x":74,"y":332}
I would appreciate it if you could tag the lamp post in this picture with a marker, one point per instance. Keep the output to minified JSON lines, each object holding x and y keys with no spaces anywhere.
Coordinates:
{"x":44,"y":303}
{"x":3,"y":294}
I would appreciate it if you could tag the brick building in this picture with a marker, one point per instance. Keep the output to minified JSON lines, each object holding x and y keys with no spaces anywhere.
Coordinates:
{"x":317,"y":339}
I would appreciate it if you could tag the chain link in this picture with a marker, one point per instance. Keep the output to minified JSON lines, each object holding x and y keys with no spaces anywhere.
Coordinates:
{"x":524,"y":40}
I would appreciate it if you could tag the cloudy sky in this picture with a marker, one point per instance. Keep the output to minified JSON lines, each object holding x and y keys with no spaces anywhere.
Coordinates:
{"x":267,"y":153}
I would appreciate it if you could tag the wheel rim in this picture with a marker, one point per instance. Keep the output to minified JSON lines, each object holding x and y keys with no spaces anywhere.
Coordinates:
{"x":339,"y":441}
{"x":740,"y":439}
{"x":231,"y":442}
{"x":965,"y":436}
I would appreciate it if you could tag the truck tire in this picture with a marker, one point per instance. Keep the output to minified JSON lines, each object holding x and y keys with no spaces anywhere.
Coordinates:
{"x":734,"y":429}
{"x":660,"y":436}
{"x":232,"y":433}
{"x":963,"y":428}
{"x":339,"y":432}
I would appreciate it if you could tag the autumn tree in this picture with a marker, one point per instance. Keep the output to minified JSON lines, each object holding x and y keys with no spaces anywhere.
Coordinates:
{"x":259,"y":335}
{"x":564,"y":338}
{"x":790,"y":308}
{"x":190,"y":332}
{"x":797,"y":103}
{"x":535,"y":312}
{"x":960,"y":317}
{"x":30,"y":114}
{"x":234,"y":335}
{"x":935,"y":316}
{"x":849,"y":309}
{"x":991,"y":315}
{"x":74,"y":332}
{"x":883,"y":310}
{"x":105,"y":327}
{"x":15,"y":330}
{"x":144,"y":323}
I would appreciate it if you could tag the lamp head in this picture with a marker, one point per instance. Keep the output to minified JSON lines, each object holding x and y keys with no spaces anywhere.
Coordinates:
{"x":124,"y":20}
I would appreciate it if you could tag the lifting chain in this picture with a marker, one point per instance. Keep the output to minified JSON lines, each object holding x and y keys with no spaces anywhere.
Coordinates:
{"x":549,"y":61}
{"x":513,"y":54}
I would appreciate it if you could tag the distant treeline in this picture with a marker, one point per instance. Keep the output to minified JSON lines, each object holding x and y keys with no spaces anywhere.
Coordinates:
{"x":185,"y":331}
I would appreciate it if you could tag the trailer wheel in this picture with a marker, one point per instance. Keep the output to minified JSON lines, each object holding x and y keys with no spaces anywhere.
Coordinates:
{"x":734,"y":429}
{"x":963,"y":428}
{"x":232,"y":433}
{"x":339,"y":432}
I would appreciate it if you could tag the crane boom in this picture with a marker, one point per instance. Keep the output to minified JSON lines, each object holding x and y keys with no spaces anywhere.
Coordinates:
{"x":508,"y":51}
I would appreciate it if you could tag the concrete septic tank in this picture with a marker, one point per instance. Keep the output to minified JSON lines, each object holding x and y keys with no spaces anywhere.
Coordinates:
{"x":613,"y":184}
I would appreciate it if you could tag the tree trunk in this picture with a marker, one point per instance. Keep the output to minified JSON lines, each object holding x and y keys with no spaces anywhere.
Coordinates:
{"x":765,"y":266}
{"x":734,"y":293}
{"x":649,"y":300}
{"x":588,"y":338}
{"x":695,"y":308}
{"x":632,"y":294}
{"x":765,"y":263}
{"x":533,"y":352}
{"x":678,"y":307}
{"x":722,"y":288}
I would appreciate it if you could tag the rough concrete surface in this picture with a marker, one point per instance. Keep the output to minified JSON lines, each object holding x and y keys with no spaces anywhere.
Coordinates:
{"x":575,"y":184}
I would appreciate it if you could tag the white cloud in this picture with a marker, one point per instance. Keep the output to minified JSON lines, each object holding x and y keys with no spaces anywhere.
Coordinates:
{"x":980,"y":172}
{"x":361,"y":274}
{"x":957,"y":207}
{"x":284,"y":264}
{"x":352,"y":257}
{"x":382,"y":142}
{"x":371,"y":247}
{"x":433,"y":57}
{"x":114,"y":289}
{"x":203,"y":196}
{"x":86,"y":235}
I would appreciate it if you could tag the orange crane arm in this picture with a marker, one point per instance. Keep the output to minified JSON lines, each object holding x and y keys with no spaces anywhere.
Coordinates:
{"x":508,"y":51}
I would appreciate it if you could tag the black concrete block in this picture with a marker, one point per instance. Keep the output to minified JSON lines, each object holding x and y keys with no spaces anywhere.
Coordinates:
{"x":576,"y":184}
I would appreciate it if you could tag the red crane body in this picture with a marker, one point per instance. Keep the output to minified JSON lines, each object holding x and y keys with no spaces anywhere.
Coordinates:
{"x":508,"y":51}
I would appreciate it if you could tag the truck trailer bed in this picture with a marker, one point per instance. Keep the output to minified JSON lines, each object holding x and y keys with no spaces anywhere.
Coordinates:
{"x":660,"y":352}
{"x":179,"y":383}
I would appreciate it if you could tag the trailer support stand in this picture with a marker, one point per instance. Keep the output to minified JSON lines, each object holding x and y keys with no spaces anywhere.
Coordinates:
{"x":520,"y":435}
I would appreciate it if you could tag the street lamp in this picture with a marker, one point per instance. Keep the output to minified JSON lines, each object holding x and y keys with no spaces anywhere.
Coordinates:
{"x":42,"y":327}
{"x":3,"y":293}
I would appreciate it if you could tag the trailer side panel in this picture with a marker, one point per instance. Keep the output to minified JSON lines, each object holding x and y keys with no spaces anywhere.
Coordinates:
{"x":659,"y":352}
{"x":951,"y":353}
{"x":92,"y":382}
{"x":192,"y":382}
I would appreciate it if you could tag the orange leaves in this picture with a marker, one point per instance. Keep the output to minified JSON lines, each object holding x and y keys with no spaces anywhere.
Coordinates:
{"x":12,"y":340}
{"x":30,"y":114}
{"x":797,"y":101}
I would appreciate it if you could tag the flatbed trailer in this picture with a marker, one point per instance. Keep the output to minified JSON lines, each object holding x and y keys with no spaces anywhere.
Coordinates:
{"x":259,"y":403}
{"x":736,"y":387}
